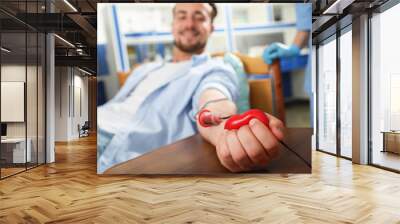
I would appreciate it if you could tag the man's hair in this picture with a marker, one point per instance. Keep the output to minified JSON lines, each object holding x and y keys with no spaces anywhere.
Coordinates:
{"x":214,"y":11}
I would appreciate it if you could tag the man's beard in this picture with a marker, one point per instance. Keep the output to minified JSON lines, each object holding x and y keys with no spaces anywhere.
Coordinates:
{"x":191,"y":49}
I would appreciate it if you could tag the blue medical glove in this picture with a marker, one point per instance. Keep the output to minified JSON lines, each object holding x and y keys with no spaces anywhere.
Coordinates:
{"x":279,"y":50}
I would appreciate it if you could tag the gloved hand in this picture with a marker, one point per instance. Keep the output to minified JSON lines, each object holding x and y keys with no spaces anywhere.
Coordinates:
{"x":279,"y":50}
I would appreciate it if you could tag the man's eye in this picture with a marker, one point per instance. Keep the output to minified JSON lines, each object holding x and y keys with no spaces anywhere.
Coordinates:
{"x":181,"y":17}
{"x":199,"y":18}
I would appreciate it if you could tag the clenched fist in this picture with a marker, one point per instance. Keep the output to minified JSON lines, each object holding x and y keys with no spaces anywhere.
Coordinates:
{"x":250,"y":146}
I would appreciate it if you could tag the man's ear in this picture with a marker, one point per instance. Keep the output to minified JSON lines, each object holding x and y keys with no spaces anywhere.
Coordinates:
{"x":212,"y":27}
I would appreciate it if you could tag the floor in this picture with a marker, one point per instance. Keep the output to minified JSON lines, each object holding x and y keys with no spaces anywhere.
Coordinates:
{"x":70,"y":191}
{"x":10,"y":171}
{"x":13,"y":170}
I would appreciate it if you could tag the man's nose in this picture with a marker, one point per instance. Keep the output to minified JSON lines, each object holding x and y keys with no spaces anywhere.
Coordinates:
{"x":189,"y":23}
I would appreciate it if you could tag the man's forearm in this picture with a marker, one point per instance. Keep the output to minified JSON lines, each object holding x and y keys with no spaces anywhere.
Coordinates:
{"x":221,"y":108}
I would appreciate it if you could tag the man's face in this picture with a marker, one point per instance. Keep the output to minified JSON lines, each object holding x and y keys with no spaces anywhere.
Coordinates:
{"x":192,"y":26}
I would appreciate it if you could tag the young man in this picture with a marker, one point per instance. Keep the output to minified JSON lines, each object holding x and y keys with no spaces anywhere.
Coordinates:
{"x":158,"y":103}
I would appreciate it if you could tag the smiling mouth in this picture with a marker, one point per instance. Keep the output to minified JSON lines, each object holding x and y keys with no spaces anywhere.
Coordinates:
{"x":189,"y":33}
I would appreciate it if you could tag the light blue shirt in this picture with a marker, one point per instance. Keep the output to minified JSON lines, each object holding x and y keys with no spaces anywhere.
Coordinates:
{"x":167,"y":114}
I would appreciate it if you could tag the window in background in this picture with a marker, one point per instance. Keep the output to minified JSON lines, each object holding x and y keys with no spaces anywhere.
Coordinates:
{"x":153,"y":40}
{"x":32,"y":97}
{"x":258,"y":25}
{"x":261,"y":13}
{"x":385,"y":85}
{"x":394,"y":102}
{"x":346,"y":94}
{"x":253,"y":27}
{"x":15,"y":149}
{"x":327,"y":96}
{"x":22,"y":77}
{"x":41,"y":111}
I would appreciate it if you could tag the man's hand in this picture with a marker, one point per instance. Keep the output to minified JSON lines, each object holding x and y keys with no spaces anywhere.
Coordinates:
{"x":250,"y":146}
{"x":243,"y":149}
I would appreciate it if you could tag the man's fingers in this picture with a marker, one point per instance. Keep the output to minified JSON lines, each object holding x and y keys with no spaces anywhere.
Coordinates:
{"x":252,"y":146}
{"x":238,"y":153}
{"x":277,"y":127}
{"x":265,"y":136}
{"x":225,"y":157}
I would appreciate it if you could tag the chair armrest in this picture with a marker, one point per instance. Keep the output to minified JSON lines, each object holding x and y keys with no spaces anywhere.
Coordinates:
{"x":253,"y":65}
{"x":261,"y":95}
{"x":122,"y":77}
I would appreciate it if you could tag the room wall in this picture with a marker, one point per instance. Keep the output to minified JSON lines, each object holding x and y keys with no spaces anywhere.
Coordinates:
{"x":62,"y":78}
{"x":71,"y":102}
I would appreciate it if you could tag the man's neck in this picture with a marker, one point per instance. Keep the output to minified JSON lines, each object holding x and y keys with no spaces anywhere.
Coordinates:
{"x":179,"y":56}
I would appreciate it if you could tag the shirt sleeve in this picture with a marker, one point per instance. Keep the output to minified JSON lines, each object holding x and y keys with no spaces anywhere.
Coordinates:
{"x":303,"y":16}
{"x":223,"y":80}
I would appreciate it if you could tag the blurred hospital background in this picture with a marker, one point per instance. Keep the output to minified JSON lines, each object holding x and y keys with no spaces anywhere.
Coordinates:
{"x":131,"y":34}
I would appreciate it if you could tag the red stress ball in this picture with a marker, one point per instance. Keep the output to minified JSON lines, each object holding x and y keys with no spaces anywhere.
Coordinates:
{"x":239,"y":120}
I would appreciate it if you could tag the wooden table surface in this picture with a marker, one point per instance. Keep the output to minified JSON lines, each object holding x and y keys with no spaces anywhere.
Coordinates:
{"x":193,"y":155}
